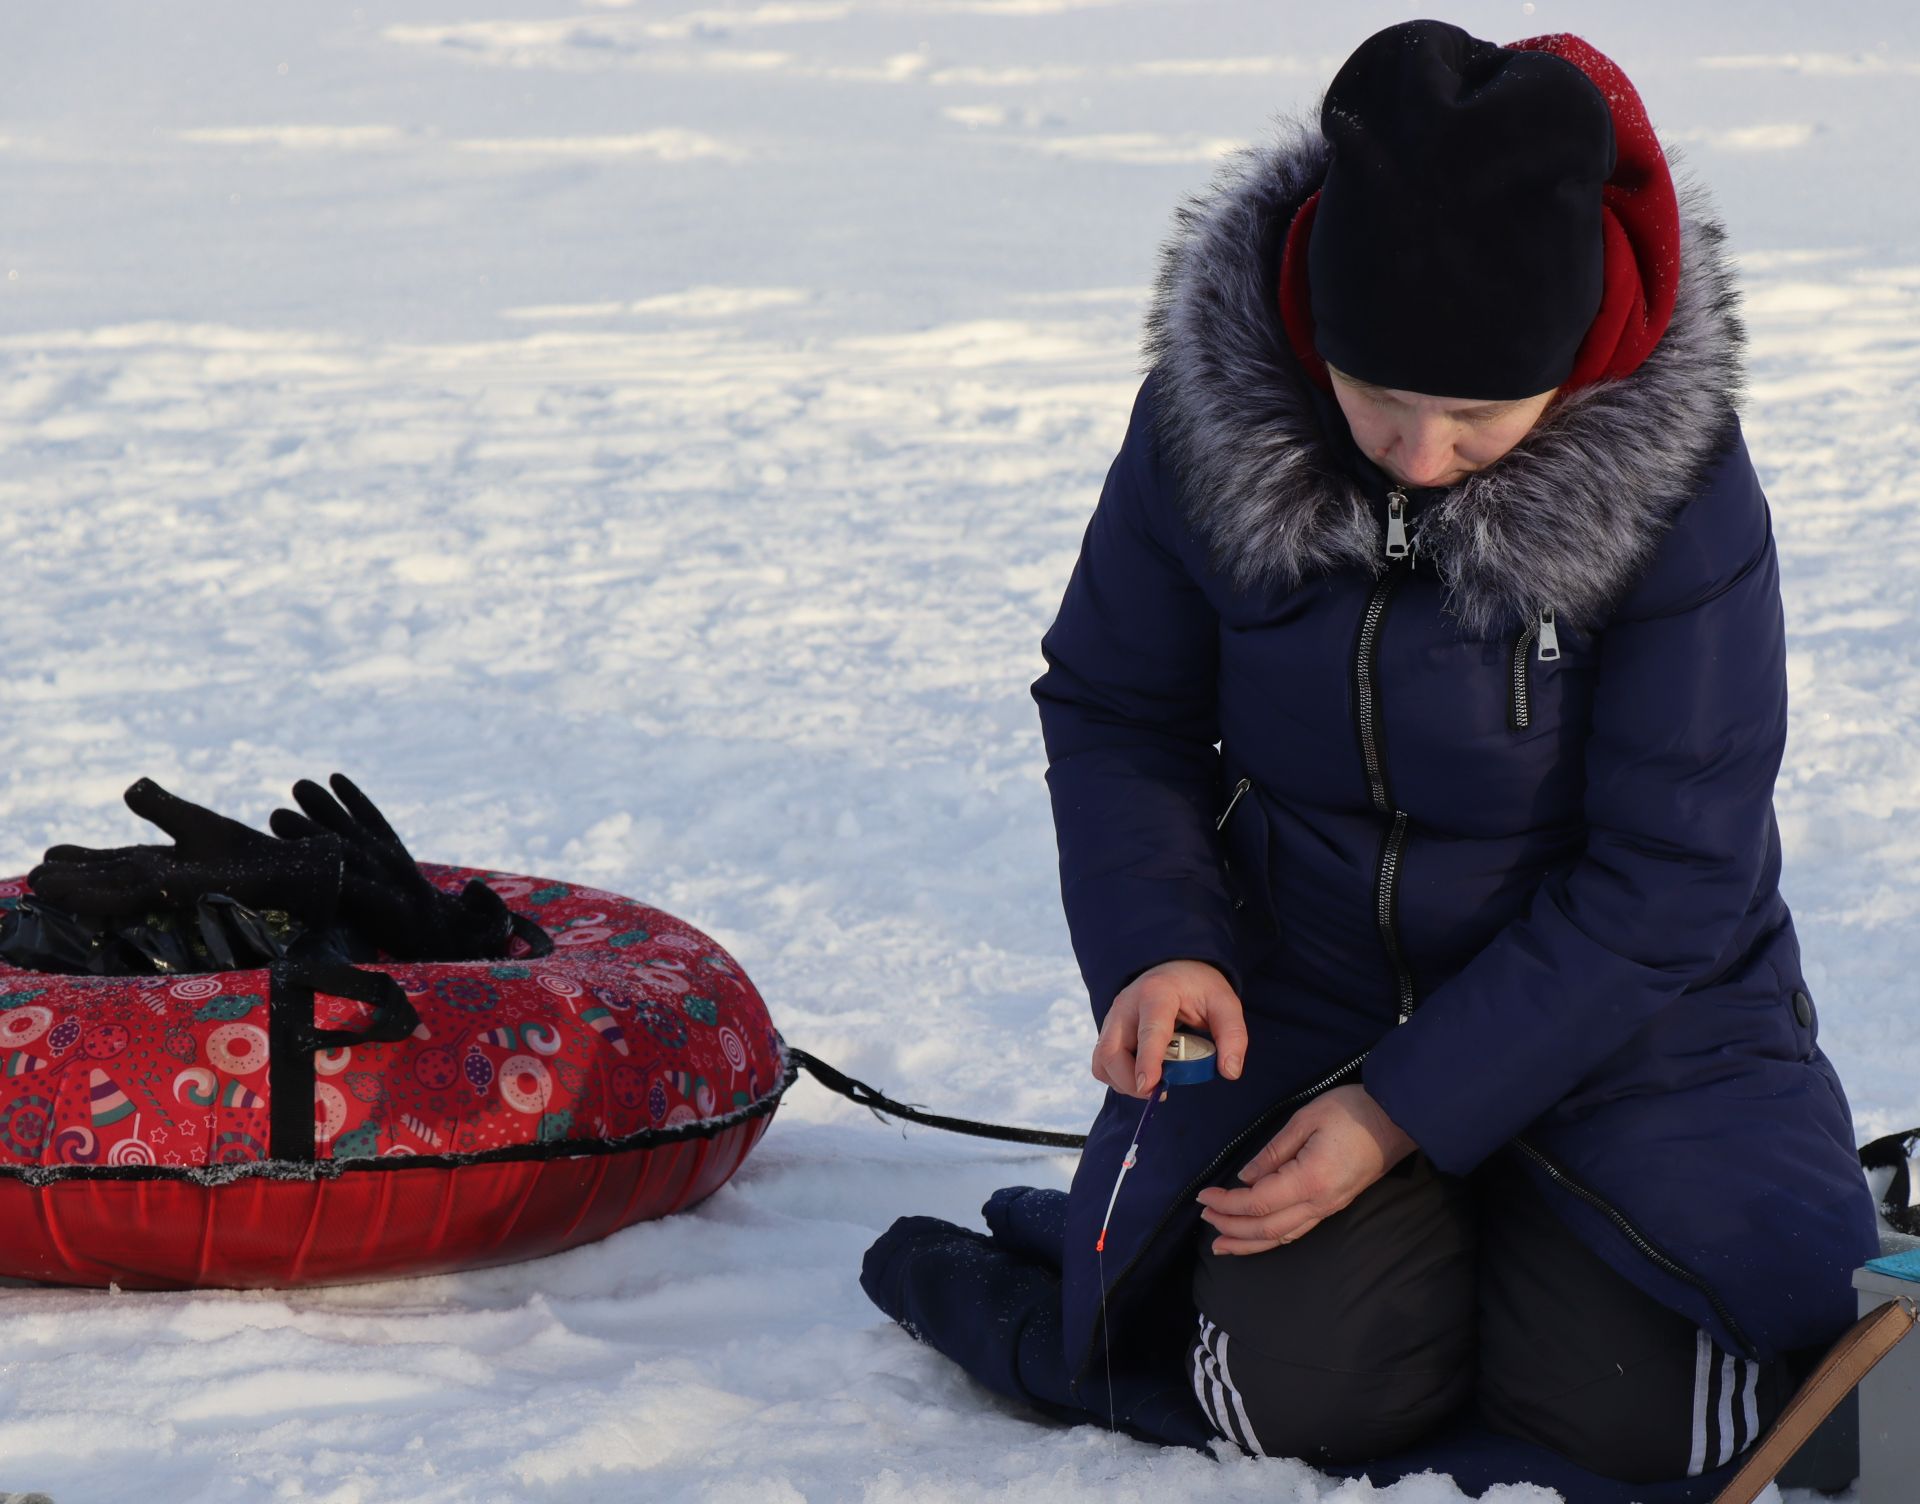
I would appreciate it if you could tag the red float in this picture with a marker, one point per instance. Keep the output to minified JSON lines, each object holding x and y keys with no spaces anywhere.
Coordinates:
{"x":302,"y":1124}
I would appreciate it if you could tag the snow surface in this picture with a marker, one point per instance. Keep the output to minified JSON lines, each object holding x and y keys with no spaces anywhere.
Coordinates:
{"x":644,"y":444}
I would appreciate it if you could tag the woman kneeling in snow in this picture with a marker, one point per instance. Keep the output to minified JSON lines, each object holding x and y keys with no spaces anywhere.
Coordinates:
{"x":1412,"y":718}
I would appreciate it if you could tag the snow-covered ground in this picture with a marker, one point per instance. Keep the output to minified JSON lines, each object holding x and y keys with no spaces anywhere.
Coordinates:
{"x":644,"y":443}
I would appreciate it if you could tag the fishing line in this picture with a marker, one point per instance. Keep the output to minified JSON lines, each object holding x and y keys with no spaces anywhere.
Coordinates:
{"x":1189,"y":1060}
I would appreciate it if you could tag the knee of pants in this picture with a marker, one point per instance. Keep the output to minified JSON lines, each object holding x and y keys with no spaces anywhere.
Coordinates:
{"x":1275,"y":1408}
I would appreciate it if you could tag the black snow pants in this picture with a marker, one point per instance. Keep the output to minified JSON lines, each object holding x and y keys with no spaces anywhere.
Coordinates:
{"x":1432,"y":1292}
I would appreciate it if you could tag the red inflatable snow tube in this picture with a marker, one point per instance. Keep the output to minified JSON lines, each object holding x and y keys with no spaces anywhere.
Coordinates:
{"x":305,"y":1124}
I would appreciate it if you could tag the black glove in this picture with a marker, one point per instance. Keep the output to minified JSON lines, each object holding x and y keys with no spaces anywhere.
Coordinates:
{"x":385,"y":896}
{"x":210,"y":854}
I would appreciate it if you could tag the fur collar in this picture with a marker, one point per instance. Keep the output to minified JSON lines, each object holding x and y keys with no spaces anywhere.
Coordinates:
{"x":1568,"y":518}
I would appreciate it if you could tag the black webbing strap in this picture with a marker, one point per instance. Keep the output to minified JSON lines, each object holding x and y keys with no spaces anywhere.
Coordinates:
{"x":879,"y":1104}
{"x":292,"y":1037}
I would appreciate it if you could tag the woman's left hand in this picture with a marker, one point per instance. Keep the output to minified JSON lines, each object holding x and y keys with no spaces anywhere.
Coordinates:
{"x":1328,"y":1153}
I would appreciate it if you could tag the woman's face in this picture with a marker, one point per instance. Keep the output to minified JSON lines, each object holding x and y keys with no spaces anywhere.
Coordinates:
{"x":1432,"y":441}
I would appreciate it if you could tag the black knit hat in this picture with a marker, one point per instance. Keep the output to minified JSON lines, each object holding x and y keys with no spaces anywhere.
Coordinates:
{"x":1456,"y":249}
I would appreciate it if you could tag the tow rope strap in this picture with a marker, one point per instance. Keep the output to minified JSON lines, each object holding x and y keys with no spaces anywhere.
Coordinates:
{"x":1849,"y":1361}
{"x":883,"y":1106}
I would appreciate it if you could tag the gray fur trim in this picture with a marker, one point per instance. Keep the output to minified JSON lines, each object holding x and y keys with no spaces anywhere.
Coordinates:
{"x":1568,"y":518}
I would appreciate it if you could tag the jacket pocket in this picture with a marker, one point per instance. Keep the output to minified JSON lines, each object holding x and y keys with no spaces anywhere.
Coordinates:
{"x":1242,"y":827}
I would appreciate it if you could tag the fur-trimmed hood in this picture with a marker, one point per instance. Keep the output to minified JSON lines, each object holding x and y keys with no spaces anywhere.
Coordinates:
{"x":1566,"y":519}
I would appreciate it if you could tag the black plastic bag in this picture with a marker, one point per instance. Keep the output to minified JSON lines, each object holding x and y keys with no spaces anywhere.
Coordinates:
{"x":216,"y":934}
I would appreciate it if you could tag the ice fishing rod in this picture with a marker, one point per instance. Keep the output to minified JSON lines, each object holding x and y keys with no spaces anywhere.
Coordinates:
{"x":1189,"y":1060}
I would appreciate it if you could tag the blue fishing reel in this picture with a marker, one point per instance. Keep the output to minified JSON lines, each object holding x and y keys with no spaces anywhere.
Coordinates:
{"x":1190,"y":1059}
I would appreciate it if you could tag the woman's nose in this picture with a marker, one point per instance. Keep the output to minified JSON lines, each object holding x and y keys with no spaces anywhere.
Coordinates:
{"x":1426,"y":452}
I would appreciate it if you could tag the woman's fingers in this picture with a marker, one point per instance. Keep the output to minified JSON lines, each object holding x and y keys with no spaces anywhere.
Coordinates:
{"x":1238,"y":1245}
{"x":1283,"y":1146}
{"x":1289,"y":1186}
{"x":1156,"y":1003}
{"x":1227,"y":1023}
{"x":1113,"y":1052}
{"x":1156,"y":1032}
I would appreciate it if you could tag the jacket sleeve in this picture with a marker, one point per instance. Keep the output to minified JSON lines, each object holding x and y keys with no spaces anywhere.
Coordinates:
{"x":1689,"y":723}
{"x":1128,"y":714}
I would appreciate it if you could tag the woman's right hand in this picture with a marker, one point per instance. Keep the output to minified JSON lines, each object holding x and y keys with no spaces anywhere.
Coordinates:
{"x":1133,"y":1040}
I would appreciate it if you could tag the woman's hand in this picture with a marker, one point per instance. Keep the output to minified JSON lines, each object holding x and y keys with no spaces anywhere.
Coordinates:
{"x":1329,"y":1152}
{"x":1133,"y":1040}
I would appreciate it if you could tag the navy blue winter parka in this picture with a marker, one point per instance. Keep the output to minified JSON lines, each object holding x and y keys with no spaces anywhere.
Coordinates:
{"x":1486,"y":826}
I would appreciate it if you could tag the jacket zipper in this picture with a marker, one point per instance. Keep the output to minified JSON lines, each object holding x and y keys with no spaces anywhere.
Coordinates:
{"x":1639,"y":1240}
{"x":1519,"y":704}
{"x":1266,"y":1120}
{"x":1367,"y":711}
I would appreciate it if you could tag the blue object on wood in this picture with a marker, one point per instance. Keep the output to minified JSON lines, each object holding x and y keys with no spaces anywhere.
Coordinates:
{"x":1904,"y":1266}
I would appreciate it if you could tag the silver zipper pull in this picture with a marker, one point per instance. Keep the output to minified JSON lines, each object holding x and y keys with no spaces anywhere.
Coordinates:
{"x":1549,"y":638}
{"x":1396,"y":524}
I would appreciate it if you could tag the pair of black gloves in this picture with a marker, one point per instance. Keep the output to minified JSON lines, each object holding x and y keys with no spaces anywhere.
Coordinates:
{"x":339,"y":862}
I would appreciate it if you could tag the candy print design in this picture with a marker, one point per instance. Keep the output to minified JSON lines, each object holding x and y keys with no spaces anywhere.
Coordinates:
{"x":23,"y":1025}
{"x":329,"y":1111}
{"x":104,"y":1041}
{"x":629,"y":1087}
{"x":421,"y":1129}
{"x":227,"y":1007}
{"x":197,"y":1087}
{"x":525,"y":1085}
{"x":596,"y":1043}
{"x":237,"y":1049}
{"x":693,"y":1088}
{"x":367,"y":1086}
{"x":542,"y":1039}
{"x":661,"y":973}
{"x":466,"y":994}
{"x":362,"y":1143}
{"x":24,"y":1124}
{"x":131,"y":1151}
{"x":105,"y":1101}
{"x":700,"y":1009}
{"x":668,"y":1027}
{"x":76,"y":1146}
{"x":603,"y":1023}
{"x":231,"y":1148}
{"x":436,"y":1069}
